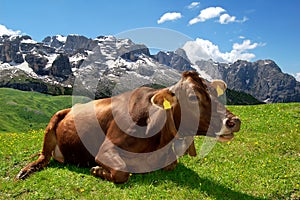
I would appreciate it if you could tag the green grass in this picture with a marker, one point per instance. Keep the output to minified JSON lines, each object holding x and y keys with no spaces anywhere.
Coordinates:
{"x":23,"y":111}
{"x":262,"y":162}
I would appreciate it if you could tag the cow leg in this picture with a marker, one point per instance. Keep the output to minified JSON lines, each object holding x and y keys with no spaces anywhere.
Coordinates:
{"x":171,"y":166}
{"x":44,"y":158}
{"x":110,"y":174}
{"x":191,"y":150}
{"x":111,"y":166}
{"x":171,"y":156}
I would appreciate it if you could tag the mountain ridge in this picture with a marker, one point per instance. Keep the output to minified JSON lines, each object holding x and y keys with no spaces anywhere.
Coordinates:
{"x":106,"y":66}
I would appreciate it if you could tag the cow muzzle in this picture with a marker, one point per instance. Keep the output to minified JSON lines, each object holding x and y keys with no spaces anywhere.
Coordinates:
{"x":230,"y":125}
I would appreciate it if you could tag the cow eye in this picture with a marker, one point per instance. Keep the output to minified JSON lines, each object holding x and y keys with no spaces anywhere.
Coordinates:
{"x":193,"y":98}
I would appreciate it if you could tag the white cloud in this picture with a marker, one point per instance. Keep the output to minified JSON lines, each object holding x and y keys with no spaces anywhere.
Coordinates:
{"x":201,"y":49}
{"x":6,"y":31}
{"x":193,"y":5}
{"x":226,"y":18}
{"x":170,"y":16}
{"x":297,"y":76}
{"x":246,"y":45}
{"x":207,"y":14}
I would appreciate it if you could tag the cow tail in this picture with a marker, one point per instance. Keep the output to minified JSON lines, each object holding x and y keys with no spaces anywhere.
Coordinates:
{"x":48,"y":146}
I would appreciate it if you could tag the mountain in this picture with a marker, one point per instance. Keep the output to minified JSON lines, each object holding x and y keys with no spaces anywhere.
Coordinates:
{"x":176,"y":60}
{"x":97,"y":67}
{"x":106,"y":66}
{"x":262,"y":79}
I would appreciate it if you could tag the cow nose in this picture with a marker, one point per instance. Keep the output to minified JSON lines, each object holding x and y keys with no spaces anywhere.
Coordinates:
{"x":234,"y":124}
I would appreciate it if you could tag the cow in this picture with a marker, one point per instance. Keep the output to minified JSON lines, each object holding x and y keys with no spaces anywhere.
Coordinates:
{"x":137,"y":131}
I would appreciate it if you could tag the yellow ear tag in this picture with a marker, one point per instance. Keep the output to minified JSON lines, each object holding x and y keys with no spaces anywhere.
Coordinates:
{"x":167,"y":104}
{"x":219,"y":91}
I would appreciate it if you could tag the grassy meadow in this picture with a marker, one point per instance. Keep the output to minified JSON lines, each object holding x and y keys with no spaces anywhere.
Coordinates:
{"x":24,"y":111}
{"x":262,"y":162}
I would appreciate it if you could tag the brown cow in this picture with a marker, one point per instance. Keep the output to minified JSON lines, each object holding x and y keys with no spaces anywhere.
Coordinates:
{"x":137,"y":131}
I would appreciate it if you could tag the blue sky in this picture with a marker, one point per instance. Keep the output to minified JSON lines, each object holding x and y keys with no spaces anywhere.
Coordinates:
{"x":227,"y":29}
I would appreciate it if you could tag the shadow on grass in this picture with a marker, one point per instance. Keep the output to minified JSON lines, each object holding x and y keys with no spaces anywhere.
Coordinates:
{"x":185,"y":177}
{"x":71,"y":167}
{"x":181,"y":176}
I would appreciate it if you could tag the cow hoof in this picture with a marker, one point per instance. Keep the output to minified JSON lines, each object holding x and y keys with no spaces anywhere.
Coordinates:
{"x":23,"y":174}
{"x":98,"y":171}
{"x":95,"y":170}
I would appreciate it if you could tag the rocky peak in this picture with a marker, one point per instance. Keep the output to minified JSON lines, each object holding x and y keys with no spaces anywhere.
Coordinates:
{"x":9,"y":48}
{"x":177,"y":60}
{"x":61,"y":67}
{"x":37,"y":63}
{"x":55,"y":41}
{"x":75,"y":42}
{"x":262,"y":79}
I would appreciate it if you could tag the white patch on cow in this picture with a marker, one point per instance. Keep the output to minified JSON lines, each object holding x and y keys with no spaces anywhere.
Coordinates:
{"x":224,"y":130}
{"x":57,"y":155}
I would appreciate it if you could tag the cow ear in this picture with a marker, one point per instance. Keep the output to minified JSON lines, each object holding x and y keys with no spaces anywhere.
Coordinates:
{"x":220,"y":86}
{"x":164,"y":99}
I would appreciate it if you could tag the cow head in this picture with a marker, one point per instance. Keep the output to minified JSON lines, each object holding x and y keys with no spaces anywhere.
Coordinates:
{"x":221,"y":116}
{"x":197,"y":110}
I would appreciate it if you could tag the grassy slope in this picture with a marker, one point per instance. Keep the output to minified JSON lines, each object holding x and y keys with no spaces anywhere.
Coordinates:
{"x":23,"y":111}
{"x":262,"y":162}
{"x":240,"y":98}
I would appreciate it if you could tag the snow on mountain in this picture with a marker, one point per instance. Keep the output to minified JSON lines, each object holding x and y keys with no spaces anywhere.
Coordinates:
{"x":50,"y":58}
{"x":9,"y":32}
{"x":28,"y":41}
{"x":61,"y":38}
{"x":202,"y":73}
{"x":297,"y":76}
{"x":21,"y":66}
